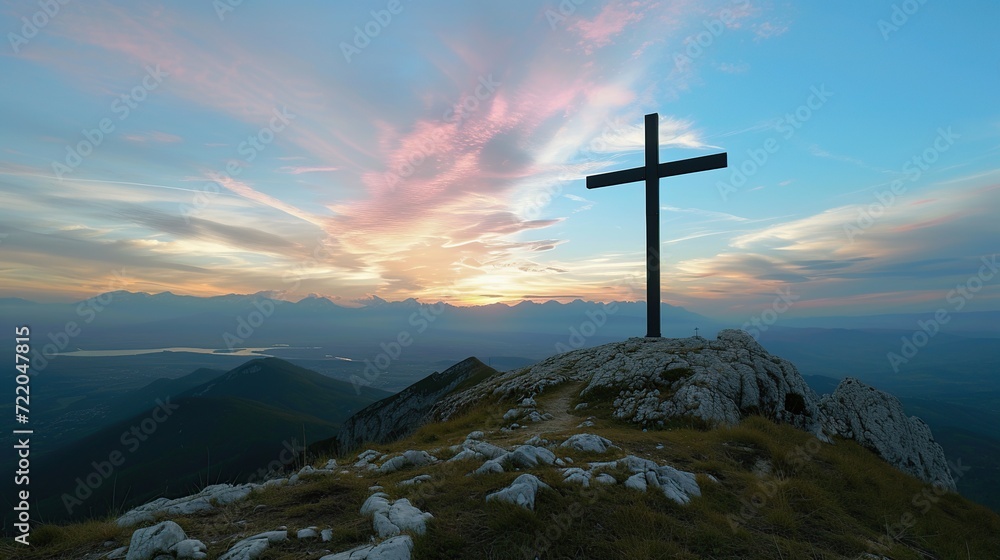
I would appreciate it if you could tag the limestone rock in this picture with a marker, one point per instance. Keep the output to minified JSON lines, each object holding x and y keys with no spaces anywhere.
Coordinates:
{"x":529,"y":456}
{"x":404,"y":515}
{"x":588,"y":443}
{"x":416,"y":480}
{"x":307,"y":533}
{"x":656,"y":380}
{"x":521,"y":492}
{"x":577,"y":475}
{"x":251,"y":548}
{"x":149,"y":542}
{"x":383,"y":526}
{"x":393,"y":518}
{"x":876,"y":420}
{"x":206,"y":500}
{"x":490,"y":466}
{"x":719,"y":382}
{"x":190,"y":549}
{"x":605,"y":478}
{"x":637,"y":482}
{"x":410,"y":458}
{"x":396,"y":548}
{"x":377,"y":502}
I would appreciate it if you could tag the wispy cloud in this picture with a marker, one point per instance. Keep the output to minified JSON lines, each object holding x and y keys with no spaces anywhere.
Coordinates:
{"x":299,"y":170}
{"x":152,"y":136}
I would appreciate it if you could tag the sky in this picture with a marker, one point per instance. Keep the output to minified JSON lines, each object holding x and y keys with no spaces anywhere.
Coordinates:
{"x":438,"y":151}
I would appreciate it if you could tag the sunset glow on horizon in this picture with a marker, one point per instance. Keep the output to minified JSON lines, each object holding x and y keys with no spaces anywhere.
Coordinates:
{"x":438,"y":151}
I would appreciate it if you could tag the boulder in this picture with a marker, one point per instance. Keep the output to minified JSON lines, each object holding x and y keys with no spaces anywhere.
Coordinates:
{"x":206,"y":500}
{"x":876,"y":420}
{"x":149,"y":542}
{"x":408,"y":518}
{"x":529,"y":456}
{"x":396,"y":548}
{"x":588,"y":443}
{"x":409,"y":458}
{"x":253,"y":547}
{"x":521,"y":492}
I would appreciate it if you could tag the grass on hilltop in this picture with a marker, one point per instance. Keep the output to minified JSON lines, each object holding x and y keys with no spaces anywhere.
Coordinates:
{"x":780,"y":494}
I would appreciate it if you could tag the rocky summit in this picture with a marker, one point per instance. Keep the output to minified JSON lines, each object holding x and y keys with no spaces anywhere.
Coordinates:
{"x":652,"y":381}
{"x":646,"y":448}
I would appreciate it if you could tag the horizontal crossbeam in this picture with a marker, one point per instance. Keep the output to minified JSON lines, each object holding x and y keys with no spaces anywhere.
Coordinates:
{"x":669,"y":169}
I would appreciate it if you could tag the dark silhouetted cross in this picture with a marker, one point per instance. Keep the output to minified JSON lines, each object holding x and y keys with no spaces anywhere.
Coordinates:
{"x":651,"y":173}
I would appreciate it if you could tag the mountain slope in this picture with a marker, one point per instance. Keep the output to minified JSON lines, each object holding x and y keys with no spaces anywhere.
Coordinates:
{"x":144,"y":398}
{"x":203,"y":440}
{"x":225,"y":429}
{"x":289,"y":387}
{"x":594,"y":474}
{"x":396,"y":416}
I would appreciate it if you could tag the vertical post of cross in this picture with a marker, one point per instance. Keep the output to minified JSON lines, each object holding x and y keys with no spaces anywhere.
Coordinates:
{"x":653,"y":225}
{"x":650,"y":173}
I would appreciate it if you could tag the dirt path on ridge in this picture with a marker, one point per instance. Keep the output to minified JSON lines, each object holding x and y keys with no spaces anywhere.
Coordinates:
{"x":558,"y":402}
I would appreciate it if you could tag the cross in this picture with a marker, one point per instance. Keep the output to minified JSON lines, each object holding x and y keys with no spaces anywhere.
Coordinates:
{"x":651,"y":173}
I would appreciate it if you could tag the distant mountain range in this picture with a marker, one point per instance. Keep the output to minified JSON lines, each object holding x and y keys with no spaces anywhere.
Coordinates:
{"x":125,"y":320}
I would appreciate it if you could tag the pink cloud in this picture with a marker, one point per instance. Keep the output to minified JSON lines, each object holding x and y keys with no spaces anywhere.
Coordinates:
{"x":605,"y":26}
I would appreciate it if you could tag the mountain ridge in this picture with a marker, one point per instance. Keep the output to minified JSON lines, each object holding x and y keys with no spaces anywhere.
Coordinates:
{"x":687,"y":448}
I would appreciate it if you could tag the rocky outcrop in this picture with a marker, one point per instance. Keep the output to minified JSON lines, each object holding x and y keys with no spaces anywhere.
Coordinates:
{"x":399,"y":415}
{"x":650,"y":382}
{"x":206,"y":500}
{"x":876,"y":420}
{"x":653,"y":380}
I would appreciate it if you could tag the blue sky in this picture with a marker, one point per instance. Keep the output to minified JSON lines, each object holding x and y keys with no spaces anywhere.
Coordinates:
{"x":437,"y":151}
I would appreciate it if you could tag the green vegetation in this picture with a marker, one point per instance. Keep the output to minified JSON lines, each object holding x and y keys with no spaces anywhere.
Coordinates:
{"x":225,"y":429}
{"x":778,"y":493}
